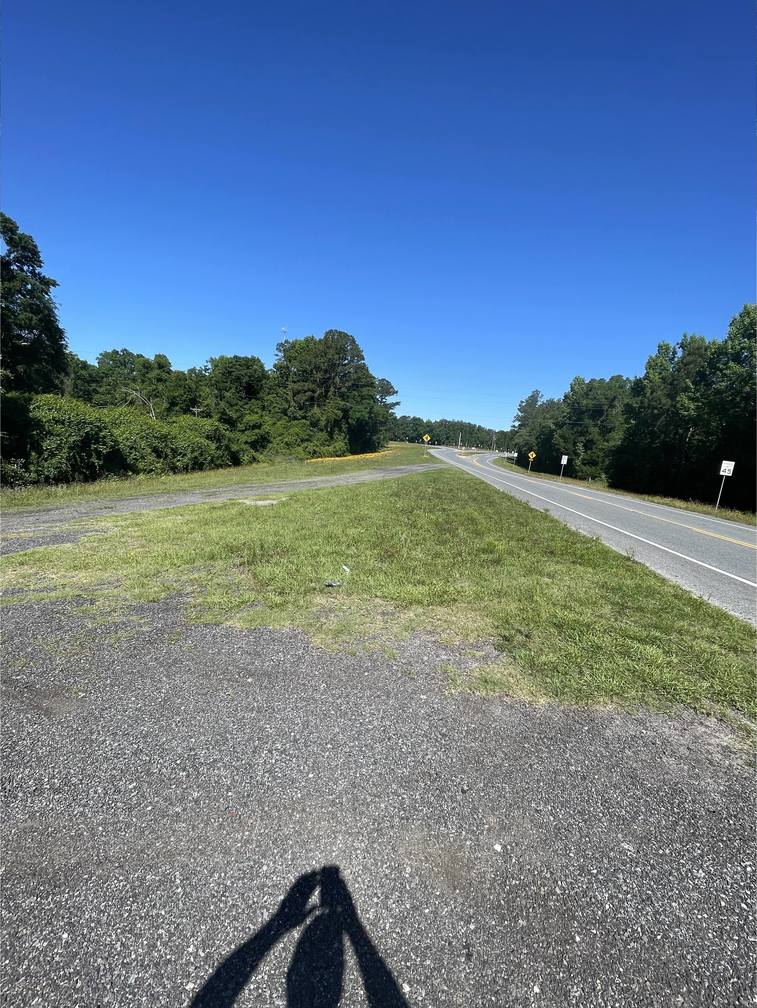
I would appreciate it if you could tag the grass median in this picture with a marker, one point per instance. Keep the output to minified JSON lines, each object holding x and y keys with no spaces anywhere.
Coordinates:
{"x":440,"y":552}
{"x":260,"y":472}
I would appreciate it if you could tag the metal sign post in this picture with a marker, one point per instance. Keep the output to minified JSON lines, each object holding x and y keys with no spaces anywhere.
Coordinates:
{"x":531,"y":457}
{"x":726,"y":469}
{"x":563,"y":463}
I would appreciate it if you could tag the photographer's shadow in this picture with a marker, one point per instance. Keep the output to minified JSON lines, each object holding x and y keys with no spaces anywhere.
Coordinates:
{"x":315,"y":975}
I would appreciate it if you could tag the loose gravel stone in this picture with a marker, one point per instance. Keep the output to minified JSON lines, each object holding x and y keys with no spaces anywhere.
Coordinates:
{"x":165,"y":784}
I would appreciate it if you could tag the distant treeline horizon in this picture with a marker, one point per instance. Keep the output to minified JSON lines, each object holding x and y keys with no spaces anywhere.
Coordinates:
{"x":665,"y":432}
{"x":65,"y":419}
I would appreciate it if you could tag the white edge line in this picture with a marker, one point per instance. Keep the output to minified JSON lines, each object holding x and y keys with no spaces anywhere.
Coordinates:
{"x":601,"y":494}
{"x":611,"y":503}
{"x":615,"y":528}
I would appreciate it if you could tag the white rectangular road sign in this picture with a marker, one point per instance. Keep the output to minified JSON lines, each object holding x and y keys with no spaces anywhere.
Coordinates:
{"x":564,"y":460}
{"x":726,"y":468}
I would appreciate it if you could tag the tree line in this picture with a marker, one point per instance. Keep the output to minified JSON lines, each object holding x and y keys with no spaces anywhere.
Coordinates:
{"x":446,"y":432}
{"x":665,"y":432}
{"x":65,"y":418}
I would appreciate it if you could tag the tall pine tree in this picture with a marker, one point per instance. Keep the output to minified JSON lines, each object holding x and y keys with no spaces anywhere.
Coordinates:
{"x":34,"y":344}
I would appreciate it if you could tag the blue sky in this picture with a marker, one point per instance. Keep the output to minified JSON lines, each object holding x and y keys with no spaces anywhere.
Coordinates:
{"x":490,"y":196}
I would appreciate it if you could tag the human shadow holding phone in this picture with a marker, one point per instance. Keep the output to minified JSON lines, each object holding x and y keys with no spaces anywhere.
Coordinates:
{"x":316,"y":972}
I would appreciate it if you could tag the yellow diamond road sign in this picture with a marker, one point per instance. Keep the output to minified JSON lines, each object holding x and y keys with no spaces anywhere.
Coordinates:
{"x":427,"y":438}
{"x":532,"y":455}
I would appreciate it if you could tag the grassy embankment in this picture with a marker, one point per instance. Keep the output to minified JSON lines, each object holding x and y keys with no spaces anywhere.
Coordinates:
{"x":743,"y":517}
{"x":572,"y":620}
{"x":261,"y":472}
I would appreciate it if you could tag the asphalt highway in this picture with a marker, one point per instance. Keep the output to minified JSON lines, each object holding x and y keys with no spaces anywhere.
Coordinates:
{"x":711,"y":557}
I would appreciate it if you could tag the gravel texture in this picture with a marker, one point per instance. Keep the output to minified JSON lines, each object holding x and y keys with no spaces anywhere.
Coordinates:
{"x":50,"y":535}
{"x":166,"y":785}
{"x":40,"y":521}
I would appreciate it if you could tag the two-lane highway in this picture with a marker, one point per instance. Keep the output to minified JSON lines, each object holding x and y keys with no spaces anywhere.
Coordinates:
{"x":711,"y":557}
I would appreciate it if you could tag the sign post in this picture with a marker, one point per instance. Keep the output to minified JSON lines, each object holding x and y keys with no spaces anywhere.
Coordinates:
{"x":726,"y":469}
{"x":563,"y":463}
{"x":426,"y":439}
{"x":531,"y":457}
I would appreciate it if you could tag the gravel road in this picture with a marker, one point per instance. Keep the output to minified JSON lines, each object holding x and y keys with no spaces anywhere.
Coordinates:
{"x":27,"y":528}
{"x":167,"y":785}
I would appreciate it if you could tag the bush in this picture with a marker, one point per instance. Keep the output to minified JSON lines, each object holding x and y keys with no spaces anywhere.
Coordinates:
{"x":144,"y":444}
{"x":13,"y":473}
{"x":249,"y":438}
{"x":161,"y":446}
{"x":297,"y":439}
{"x":197,"y":444}
{"x":69,"y":441}
{"x":14,"y":438}
{"x":58,"y":439}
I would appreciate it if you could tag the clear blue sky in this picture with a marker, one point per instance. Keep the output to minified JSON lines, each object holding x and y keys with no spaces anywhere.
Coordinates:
{"x":490,"y":196}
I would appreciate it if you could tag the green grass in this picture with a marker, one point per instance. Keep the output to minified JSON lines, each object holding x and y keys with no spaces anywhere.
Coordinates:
{"x":743,"y":517}
{"x":262,"y":472}
{"x":442,"y":552}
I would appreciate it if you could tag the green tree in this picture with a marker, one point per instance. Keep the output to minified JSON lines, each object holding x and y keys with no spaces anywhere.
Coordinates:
{"x":527,"y":410}
{"x":693,"y":406}
{"x":591,"y":424}
{"x":327,"y":383}
{"x":387,"y":404}
{"x":144,"y":382}
{"x":235,"y":383}
{"x":34,"y":344}
{"x":82,"y":379}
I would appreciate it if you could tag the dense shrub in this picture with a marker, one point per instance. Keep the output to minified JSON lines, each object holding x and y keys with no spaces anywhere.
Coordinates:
{"x":69,"y":441}
{"x":197,"y":444}
{"x":249,"y":438}
{"x":55,"y":439}
{"x":144,"y":444}
{"x":297,"y":439}
{"x":15,"y":438}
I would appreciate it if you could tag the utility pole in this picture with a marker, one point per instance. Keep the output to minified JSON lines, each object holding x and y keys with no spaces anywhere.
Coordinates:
{"x":459,"y":440}
{"x":494,"y":439}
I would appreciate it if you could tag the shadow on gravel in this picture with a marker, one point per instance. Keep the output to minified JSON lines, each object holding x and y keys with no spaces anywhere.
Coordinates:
{"x":315,"y":974}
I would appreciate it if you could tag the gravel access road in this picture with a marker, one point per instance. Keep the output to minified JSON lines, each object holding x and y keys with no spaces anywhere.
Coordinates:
{"x":199,"y":815}
{"x":27,"y":528}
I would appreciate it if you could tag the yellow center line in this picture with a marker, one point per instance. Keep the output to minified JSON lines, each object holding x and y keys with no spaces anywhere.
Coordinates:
{"x":648,"y":514}
{"x":670,"y":521}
